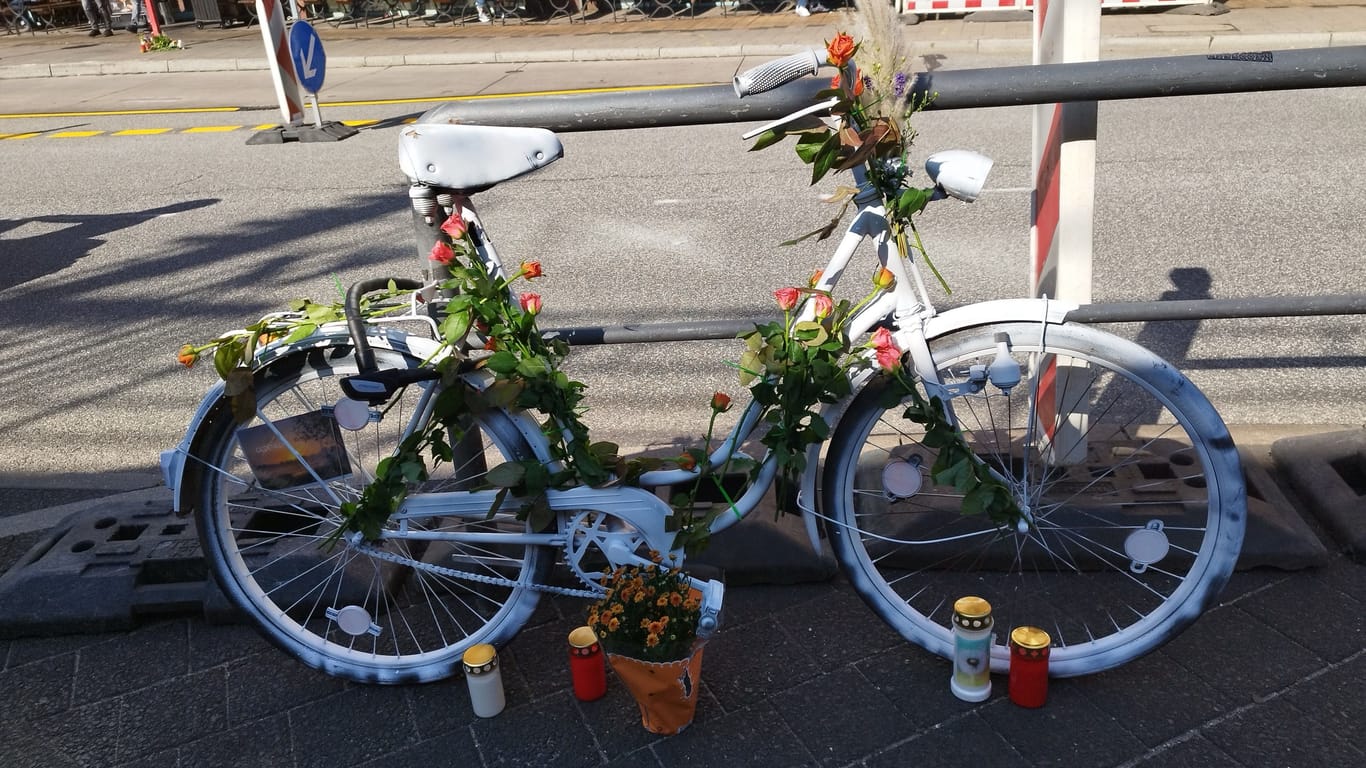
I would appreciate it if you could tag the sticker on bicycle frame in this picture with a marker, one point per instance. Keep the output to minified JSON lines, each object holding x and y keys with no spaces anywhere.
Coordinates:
{"x":314,"y":436}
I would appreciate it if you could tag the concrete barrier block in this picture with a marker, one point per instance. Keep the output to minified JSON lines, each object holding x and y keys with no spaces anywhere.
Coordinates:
{"x":1329,"y":472}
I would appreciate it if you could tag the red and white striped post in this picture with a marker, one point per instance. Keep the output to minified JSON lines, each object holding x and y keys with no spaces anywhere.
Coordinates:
{"x":151,"y":12}
{"x":985,"y":6}
{"x":272,"y":18}
{"x":1063,"y":208}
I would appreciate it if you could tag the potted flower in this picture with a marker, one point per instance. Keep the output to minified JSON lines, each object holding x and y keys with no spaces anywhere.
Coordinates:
{"x":647,"y":623}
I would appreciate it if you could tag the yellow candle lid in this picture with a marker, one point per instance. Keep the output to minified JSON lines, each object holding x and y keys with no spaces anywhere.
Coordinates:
{"x":479,"y":655}
{"x":583,"y":637}
{"x":972,"y":607}
{"x":1032,"y":638}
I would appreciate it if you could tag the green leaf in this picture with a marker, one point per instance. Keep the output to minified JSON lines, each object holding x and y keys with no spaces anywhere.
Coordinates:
{"x":980,"y":499}
{"x":536,"y":478}
{"x":958,"y":474}
{"x":503,"y":393}
{"x":809,"y":146}
{"x":819,"y":429}
{"x":767,"y":139}
{"x":750,"y":367}
{"x":506,"y":475}
{"x":605,"y":450}
{"x":300,"y":332}
{"x":825,"y":158}
{"x":499,"y":500}
{"x":913,"y":201}
{"x":532,"y":367}
{"x":414,"y":471}
{"x":455,"y":326}
{"x":226,"y":358}
{"x":238,"y":381}
{"x":539,"y":515}
{"x":810,"y":332}
{"x":503,"y":362}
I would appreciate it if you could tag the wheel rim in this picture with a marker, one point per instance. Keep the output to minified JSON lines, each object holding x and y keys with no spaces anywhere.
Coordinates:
{"x":395,"y":611}
{"x":1129,"y":539}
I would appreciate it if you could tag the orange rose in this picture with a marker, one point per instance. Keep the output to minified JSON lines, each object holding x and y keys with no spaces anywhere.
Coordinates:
{"x":883,"y":279}
{"x":187,"y":356}
{"x":841,"y":49}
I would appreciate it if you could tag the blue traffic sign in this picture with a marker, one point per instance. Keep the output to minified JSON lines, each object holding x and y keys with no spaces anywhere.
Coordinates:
{"x":310,"y":63}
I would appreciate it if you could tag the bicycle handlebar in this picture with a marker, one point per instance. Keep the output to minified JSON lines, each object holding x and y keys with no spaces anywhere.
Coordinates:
{"x":365,"y":357}
{"x":766,"y":77}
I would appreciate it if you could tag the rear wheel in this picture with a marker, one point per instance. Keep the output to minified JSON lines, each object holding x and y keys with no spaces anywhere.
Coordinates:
{"x":390,"y":611}
{"x":1131,"y":480}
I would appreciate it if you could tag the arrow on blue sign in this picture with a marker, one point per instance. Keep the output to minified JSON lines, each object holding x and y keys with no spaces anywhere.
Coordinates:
{"x":306,"y":49}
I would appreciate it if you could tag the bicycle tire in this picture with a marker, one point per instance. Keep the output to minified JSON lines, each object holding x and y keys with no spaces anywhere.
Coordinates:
{"x":266,"y":546}
{"x":1090,"y":571}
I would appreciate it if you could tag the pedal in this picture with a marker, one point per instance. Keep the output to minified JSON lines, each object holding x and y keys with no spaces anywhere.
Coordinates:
{"x":378,"y":387}
{"x":709,"y":613}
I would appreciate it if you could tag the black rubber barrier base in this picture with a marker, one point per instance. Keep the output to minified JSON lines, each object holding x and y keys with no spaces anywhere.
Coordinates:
{"x":107,"y":568}
{"x":119,"y":563}
{"x":1329,"y":471}
{"x":283,"y":134}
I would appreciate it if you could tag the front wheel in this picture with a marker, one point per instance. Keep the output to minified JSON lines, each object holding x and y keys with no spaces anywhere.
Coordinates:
{"x":1131,"y":485}
{"x":388,"y":611}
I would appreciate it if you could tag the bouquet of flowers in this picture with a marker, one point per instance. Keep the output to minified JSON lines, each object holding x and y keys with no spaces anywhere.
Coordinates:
{"x":649,"y":612}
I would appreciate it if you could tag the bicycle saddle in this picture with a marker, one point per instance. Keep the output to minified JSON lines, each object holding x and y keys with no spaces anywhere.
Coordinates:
{"x":472,"y":158}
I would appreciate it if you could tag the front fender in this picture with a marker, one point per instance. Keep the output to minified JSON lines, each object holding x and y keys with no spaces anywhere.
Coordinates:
{"x":174,"y":461}
{"x":957,"y":319}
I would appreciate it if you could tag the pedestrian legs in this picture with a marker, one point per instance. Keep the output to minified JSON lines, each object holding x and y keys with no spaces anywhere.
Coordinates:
{"x":100,"y":15}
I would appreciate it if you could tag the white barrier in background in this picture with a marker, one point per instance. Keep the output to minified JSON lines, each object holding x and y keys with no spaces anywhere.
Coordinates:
{"x":1062,"y":209}
{"x":973,"y":6}
{"x":286,"y":82}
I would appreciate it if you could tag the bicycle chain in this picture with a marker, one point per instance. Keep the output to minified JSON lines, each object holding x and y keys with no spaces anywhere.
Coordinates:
{"x":466,"y":575}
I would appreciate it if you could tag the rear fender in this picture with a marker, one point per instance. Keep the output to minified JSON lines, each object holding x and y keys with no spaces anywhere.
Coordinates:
{"x":182,"y":474}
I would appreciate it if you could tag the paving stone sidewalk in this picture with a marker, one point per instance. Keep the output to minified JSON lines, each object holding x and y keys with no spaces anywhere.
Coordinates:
{"x":801,"y":675}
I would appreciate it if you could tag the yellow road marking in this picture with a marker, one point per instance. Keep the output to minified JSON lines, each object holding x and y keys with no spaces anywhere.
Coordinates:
{"x":168,"y":111}
{"x":362,"y":103}
{"x":487,"y":96}
{"x":270,"y":126}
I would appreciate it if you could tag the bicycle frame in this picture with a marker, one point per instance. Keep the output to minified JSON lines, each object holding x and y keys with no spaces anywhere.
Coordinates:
{"x":906,"y":307}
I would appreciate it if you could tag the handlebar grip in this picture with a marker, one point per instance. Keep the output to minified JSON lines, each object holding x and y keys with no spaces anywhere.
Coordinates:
{"x":365,"y":357}
{"x":766,"y":77}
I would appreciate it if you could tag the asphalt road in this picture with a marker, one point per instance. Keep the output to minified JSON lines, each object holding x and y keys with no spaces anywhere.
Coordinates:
{"x":118,"y":249}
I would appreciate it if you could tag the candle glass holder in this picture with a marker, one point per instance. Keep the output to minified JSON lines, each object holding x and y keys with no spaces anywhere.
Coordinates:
{"x":587,"y":665}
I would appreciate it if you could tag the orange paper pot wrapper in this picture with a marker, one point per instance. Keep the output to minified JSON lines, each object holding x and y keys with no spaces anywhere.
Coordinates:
{"x":666,"y":691}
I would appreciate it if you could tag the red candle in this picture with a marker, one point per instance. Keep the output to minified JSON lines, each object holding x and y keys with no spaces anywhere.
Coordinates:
{"x":586,"y":665}
{"x":1029,"y":666}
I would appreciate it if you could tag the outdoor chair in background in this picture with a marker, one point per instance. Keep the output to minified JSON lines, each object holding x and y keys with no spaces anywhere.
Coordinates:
{"x":655,"y":9}
{"x":12,"y":19}
{"x":554,"y":9}
{"x":53,"y":14}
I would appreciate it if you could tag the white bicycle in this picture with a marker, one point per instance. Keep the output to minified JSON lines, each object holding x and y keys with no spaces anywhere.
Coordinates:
{"x":1130,"y":492}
